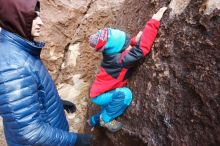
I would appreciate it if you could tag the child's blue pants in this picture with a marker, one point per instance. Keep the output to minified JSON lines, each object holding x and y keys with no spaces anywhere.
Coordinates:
{"x":112,"y":103}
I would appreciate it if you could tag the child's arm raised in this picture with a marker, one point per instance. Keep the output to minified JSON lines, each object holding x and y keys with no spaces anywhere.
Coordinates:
{"x":150,"y":31}
{"x":144,"y":44}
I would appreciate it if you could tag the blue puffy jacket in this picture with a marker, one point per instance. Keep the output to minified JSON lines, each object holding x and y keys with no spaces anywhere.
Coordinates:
{"x":29,"y":102}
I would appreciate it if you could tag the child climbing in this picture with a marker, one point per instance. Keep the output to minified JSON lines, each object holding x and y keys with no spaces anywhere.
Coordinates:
{"x":120,"y":54}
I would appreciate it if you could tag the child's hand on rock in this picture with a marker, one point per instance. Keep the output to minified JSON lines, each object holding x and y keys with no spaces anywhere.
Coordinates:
{"x":138,"y":36}
{"x":159,"y":14}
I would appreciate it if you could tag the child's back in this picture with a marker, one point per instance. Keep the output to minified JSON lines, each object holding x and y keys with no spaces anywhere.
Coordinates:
{"x":117,"y":66}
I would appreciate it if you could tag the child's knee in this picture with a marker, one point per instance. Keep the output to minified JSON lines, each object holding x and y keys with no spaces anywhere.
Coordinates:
{"x":127,"y":95}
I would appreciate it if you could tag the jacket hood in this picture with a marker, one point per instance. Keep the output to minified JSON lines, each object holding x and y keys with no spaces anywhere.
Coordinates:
{"x":16,"y":16}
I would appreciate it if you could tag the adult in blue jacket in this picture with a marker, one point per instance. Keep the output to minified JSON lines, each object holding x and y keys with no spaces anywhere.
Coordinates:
{"x":32,"y":111}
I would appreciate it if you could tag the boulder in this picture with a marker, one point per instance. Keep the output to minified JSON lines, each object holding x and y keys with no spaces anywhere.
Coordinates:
{"x":176,"y":89}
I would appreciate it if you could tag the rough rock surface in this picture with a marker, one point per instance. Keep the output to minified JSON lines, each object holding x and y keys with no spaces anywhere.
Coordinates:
{"x":67,"y":54}
{"x":176,"y":90}
{"x":70,"y":60}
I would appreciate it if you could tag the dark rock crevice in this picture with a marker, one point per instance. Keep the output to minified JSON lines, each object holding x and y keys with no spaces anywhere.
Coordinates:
{"x":65,"y":54}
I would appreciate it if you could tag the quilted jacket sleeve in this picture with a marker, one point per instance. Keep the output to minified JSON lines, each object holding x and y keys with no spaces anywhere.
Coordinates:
{"x":20,"y":110}
{"x":130,"y":56}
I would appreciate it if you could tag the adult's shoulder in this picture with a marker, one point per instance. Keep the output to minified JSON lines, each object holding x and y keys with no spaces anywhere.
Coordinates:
{"x":11,"y":55}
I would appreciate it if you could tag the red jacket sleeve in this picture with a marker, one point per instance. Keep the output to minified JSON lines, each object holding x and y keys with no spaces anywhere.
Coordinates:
{"x":149,"y":35}
{"x":129,"y":57}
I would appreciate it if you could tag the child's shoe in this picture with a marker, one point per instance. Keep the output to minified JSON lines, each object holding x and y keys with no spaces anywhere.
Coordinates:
{"x":112,"y":126}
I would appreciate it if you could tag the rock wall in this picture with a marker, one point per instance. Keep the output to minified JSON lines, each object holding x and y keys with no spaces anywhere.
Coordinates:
{"x":176,"y":90}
